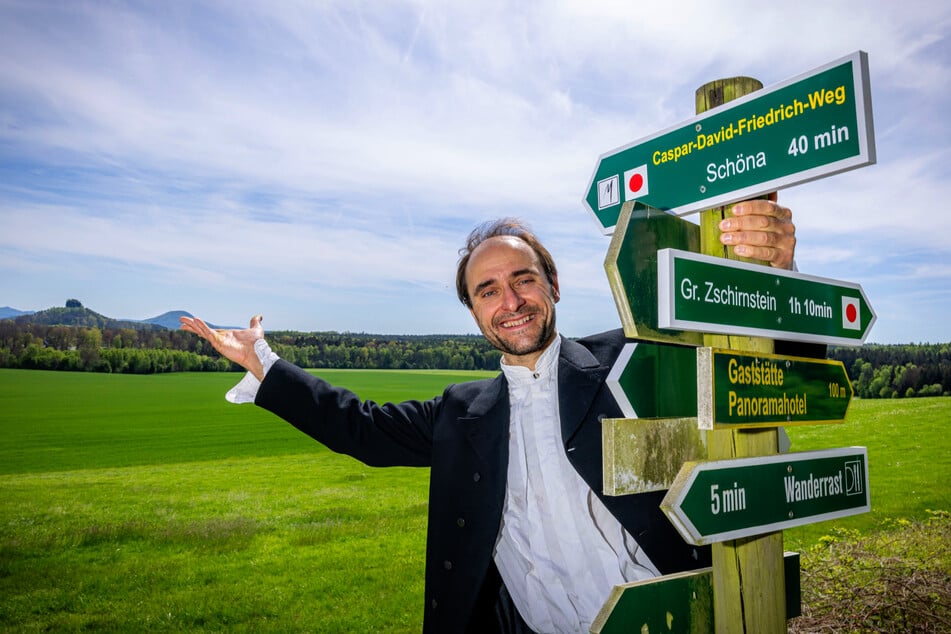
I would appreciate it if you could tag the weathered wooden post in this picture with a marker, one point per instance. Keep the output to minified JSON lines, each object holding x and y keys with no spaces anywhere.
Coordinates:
{"x":748,"y":587}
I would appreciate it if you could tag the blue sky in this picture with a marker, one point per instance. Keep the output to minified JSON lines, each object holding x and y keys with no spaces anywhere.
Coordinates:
{"x":322,"y":162}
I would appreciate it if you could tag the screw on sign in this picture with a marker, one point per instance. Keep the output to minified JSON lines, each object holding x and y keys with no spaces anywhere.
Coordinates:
{"x":667,"y":292}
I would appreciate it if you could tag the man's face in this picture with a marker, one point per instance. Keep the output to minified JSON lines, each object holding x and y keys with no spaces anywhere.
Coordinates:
{"x":512,"y":301}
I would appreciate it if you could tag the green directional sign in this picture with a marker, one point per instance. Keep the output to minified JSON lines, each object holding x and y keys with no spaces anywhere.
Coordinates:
{"x":730,"y":499}
{"x":709,"y":294}
{"x":811,"y":126}
{"x":740,"y":389}
{"x":631,"y":267}
{"x":681,"y":602}
{"x":654,"y":380}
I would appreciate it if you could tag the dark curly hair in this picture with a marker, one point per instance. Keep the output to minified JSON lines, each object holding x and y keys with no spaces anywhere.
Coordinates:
{"x":492,"y":229}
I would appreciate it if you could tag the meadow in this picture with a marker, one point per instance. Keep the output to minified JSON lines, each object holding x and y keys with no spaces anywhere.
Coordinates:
{"x":132,"y":503}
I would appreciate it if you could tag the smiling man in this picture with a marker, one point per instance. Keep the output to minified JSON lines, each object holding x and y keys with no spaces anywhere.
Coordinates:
{"x":520,"y":538}
{"x":514,"y":291}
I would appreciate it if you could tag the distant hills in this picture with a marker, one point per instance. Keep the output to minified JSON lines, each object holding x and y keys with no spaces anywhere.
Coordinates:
{"x":169,"y":320}
{"x":84,"y":317}
{"x":9,"y":313}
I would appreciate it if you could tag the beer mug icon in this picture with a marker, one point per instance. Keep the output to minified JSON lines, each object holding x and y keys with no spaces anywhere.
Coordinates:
{"x":854,"y":480}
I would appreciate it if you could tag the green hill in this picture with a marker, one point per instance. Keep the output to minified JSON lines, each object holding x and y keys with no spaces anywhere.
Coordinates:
{"x":81,"y":316}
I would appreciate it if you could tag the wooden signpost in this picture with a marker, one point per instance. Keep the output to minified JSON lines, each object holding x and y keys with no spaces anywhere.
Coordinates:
{"x":669,"y":290}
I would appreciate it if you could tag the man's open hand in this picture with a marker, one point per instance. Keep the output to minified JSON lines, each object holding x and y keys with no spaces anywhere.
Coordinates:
{"x":234,"y":345}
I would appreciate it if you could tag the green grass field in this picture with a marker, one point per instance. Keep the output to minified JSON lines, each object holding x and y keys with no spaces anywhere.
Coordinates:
{"x":909,"y":459}
{"x":148,"y":502}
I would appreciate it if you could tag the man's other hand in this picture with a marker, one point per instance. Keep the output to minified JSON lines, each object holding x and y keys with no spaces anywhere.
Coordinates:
{"x":762,"y":230}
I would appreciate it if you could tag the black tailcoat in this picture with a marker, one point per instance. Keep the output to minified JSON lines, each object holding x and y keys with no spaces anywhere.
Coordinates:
{"x":463,"y":436}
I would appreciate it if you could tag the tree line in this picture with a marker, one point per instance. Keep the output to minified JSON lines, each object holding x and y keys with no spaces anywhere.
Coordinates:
{"x":404,"y":352}
{"x":37,"y":346}
{"x":897,"y":371}
{"x":876,"y":370}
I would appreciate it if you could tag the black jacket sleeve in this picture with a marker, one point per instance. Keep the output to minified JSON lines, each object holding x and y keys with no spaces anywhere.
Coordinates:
{"x":377,"y":435}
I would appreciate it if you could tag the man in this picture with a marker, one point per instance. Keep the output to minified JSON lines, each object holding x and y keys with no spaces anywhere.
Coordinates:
{"x":520,"y":538}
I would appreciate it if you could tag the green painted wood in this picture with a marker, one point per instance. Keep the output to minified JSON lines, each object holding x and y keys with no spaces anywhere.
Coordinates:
{"x":738,"y":389}
{"x":655,"y":380}
{"x":680,"y":603}
{"x":631,"y":267}
{"x":673,"y":603}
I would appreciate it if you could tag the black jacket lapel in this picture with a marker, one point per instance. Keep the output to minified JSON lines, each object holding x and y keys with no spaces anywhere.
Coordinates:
{"x":487,"y":420}
{"x":580,"y":377}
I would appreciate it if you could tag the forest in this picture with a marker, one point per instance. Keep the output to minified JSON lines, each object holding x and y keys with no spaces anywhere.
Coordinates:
{"x":893,"y":371}
{"x":29,"y":345}
{"x":876,"y":370}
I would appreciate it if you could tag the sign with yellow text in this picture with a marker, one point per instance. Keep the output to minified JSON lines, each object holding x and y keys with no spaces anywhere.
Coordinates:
{"x":743,"y":389}
{"x":808,"y":127}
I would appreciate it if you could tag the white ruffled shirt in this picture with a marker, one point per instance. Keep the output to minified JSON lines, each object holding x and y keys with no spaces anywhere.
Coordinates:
{"x":559,"y":551}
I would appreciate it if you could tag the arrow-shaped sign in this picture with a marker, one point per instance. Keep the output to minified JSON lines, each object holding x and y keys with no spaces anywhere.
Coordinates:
{"x":655,"y":380}
{"x":715,"y":295}
{"x":730,"y":499}
{"x":631,"y":267}
{"x":681,"y":602}
{"x":811,"y":126}
{"x":738,"y":389}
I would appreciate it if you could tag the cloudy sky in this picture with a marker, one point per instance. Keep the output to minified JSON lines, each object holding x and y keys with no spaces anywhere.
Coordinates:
{"x":321,"y":162}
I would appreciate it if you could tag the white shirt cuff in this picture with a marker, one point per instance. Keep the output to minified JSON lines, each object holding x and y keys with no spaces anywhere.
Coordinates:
{"x":247,"y":388}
